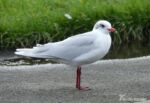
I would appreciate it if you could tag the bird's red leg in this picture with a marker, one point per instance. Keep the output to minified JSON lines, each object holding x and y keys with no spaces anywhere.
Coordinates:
{"x":78,"y":77}
{"x":78,"y":80}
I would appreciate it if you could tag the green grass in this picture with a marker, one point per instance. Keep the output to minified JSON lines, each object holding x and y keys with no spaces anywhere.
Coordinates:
{"x":23,"y":23}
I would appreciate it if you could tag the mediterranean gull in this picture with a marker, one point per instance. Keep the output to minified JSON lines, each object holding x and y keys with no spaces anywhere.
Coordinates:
{"x":76,"y":50}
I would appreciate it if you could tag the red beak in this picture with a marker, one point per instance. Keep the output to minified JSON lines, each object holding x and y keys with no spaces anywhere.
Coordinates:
{"x":112,"y":29}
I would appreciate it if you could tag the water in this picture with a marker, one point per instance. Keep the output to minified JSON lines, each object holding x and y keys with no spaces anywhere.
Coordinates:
{"x":117,"y":52}
{"x":131,"y":50}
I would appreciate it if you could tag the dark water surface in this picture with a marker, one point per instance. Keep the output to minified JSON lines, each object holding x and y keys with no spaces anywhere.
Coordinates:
{"x":120,"y":52}
{"x":129,"y":51}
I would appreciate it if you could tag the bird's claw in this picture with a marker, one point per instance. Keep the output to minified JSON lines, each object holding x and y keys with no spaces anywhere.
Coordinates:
{"x":83,"y":88}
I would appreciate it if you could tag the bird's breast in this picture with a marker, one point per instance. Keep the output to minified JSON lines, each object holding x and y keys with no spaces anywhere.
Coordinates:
{"x":103,"y":44}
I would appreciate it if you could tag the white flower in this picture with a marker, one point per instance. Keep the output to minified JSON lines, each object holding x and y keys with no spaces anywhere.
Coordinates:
{"x":68,"y":16}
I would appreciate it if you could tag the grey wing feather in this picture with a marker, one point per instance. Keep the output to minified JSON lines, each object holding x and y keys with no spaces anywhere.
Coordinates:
{"x":67,"y":49}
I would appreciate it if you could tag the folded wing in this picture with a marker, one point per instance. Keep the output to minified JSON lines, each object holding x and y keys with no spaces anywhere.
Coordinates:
{"x":67,"y":49}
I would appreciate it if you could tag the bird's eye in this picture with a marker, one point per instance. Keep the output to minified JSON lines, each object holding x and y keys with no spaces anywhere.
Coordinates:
{"x":102,"y":25}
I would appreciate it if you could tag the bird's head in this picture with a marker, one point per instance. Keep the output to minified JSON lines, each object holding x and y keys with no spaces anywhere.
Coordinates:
{"x":104,"y":26}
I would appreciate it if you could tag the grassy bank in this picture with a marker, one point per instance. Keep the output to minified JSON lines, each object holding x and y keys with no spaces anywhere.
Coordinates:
{"x":23,"y":23}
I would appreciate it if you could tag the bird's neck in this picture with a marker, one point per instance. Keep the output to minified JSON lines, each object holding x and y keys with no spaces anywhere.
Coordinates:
{"x":101,"y":32}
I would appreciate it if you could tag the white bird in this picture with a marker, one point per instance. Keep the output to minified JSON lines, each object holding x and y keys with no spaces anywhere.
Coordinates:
{"x":76,"y":50}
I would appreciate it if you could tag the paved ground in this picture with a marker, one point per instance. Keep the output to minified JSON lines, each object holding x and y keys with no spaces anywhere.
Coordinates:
{"x":111,"y":81}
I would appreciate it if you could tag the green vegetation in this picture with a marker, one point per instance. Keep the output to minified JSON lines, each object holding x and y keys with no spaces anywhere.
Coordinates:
{"x":23,"y":23}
